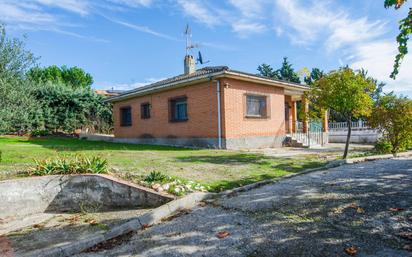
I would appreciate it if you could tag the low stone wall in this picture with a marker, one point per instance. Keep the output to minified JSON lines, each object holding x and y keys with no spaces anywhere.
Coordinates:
{"x":21,"y":197}
{"x":366,"y":136}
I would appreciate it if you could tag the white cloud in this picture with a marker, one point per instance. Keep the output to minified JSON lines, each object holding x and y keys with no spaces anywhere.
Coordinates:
{"x":377,"y":58}
{"x":245,"y":28}
{"x":360,"y":42}
{"x":249,"y":8}
{"x":199,"y":11}
{"x":13,"y":13}
{"x":77,"y":6}
{"x":125,"y":86}
{"x":346,"y":31}
{"x":134,"y":3}
{"x":143,"y":29}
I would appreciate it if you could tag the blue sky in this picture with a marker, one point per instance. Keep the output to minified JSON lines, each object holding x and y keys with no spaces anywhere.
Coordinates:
{"x":127,"y":43}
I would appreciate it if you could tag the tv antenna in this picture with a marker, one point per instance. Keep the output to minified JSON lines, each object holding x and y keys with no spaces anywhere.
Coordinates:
{"x":189,"y":44}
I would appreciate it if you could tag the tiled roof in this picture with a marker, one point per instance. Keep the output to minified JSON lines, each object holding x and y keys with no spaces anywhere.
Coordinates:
{"x":198,"y":73}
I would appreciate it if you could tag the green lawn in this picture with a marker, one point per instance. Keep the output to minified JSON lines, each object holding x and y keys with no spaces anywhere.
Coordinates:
{"x":219,"y":169}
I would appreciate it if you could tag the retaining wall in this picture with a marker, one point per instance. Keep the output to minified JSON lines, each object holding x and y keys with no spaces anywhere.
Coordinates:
{"x":21,"y":197}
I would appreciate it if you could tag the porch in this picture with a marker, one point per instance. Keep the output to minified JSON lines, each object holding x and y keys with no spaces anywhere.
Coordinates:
{"x":300,"y":130}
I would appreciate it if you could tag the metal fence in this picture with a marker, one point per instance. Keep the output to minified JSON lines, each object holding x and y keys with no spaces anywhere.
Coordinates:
{"x":344,"y":125}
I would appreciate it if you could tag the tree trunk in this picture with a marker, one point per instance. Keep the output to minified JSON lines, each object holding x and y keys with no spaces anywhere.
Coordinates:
{"x":345,"y":154}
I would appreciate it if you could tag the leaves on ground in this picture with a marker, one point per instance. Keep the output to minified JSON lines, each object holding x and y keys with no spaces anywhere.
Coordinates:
{"x":396,"y":209}
{"x":351,"y":250}
{"x":39,"y":226}
{"x":222,"y":234}
{"x":146,"y":226}
{"x":406,"y":235}
{"x":111,"y":243}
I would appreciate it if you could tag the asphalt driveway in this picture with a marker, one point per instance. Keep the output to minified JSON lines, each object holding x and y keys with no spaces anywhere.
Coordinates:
{"x":362,"y":210}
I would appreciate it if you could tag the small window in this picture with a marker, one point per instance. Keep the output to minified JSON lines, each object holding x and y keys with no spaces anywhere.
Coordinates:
{"x":145,"y":111}
{"x":256,"y":106}
{"x":178,"y":109}
{"x":125,"y":116}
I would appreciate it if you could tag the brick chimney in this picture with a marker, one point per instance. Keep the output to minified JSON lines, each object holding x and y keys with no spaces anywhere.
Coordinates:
{"x":190,"y":65}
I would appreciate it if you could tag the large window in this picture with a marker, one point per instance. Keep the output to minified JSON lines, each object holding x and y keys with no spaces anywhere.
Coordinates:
{"x":125,"y":116}
{"x":145,"y":111}
{"x":178,"y":109}
{"x":256,"y":106}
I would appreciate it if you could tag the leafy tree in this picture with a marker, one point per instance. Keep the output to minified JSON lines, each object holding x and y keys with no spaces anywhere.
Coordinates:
{"x":65,"y":109}
{"x":286,"y":72}
{"x":345,"y":92}
{"x":73,"y":77}
{"x":392,"y":116}
{"x":19,"y":110}
{"x":267,"y":71}
{"x":315,"y":75}
{"x":405,"y":29}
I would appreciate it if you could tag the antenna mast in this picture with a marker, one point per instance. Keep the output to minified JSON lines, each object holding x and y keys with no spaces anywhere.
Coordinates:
{"x":189,"y":45}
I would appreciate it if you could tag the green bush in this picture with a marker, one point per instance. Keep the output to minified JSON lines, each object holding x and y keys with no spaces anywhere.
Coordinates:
{"x":39,"y":133}
{"x":383,"y":146}
{"x":155,"y":176}
{"x":70,"y":165}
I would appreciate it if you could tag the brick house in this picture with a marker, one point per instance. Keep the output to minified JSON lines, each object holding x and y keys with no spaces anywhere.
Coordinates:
{"x":212,"y":107}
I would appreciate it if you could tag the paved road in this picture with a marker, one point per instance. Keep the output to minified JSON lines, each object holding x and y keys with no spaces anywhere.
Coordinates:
{"x":317,"y":214}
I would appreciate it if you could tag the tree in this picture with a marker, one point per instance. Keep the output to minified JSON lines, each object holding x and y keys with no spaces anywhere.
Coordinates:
{"x":346,"y":92}
{"x":65,"y":109}
{"x":19,"y":110}
{"x":267,"y":71}
{"x":405,"y":29}
{"x":73,"y":77}
{"x":315,"y":75}
{"x":392,"y":117}
{"x":286,"y":72}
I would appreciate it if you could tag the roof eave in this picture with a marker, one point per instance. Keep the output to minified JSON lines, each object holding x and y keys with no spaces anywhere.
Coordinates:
{"x":207,"y":77}
{"x":167,"y":86}
{"x":262,"y":80}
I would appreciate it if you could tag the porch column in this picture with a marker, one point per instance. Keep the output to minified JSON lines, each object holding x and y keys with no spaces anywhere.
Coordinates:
{"x":305,"y":121}
{"x":294,"y":111}
{"x":325,"y":121}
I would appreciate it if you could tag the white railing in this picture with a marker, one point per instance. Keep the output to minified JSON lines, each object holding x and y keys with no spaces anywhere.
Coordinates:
{"x":314,"y":136}
{"x":344,"y":125}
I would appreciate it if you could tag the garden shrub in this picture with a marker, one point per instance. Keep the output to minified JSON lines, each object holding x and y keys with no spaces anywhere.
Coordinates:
{"x":155,"y":176}
{"x":383,"y":146}
{"x":70,"y":165}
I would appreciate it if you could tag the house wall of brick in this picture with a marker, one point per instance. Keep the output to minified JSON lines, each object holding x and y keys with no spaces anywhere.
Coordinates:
{"x":202,"y":114}
{"x":237,"y":125}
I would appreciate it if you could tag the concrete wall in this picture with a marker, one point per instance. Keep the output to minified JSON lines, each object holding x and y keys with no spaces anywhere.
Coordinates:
{"x":21,"y":197}
{"x":358,"y":136}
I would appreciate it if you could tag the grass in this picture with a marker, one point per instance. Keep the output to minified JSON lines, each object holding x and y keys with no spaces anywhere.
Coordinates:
{"x":219,"y":169}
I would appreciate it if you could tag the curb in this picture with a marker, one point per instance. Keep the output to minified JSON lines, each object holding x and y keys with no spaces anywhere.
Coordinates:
{"x":332,"y":164}
{"x":135,"y":224}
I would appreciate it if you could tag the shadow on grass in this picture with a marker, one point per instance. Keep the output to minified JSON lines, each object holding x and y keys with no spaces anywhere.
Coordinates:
{"x":75,"y":144}
{"x":229,"y":159}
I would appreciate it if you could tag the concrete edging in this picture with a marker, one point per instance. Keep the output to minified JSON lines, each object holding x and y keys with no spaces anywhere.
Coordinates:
{"x":135,"y":224}
{"x":329,"y":165}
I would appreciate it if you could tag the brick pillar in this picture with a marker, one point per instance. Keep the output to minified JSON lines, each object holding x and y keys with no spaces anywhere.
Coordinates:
{"x":305,"y":106}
